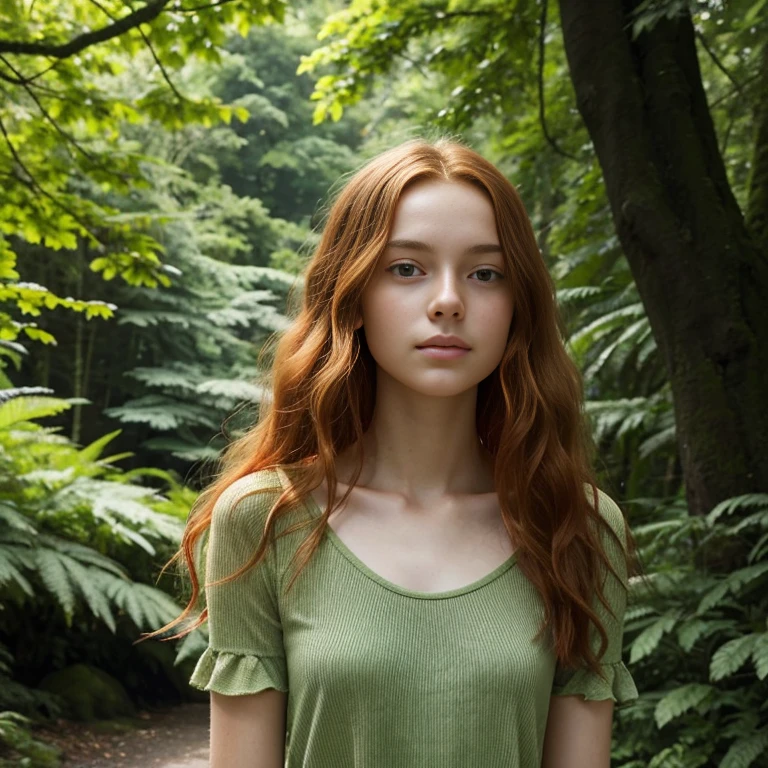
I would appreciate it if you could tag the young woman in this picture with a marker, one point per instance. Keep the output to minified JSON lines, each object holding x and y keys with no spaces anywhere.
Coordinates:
{"x":409,"y":562}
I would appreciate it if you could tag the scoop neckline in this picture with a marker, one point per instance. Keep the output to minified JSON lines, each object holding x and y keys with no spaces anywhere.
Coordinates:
{"x":314,"y":509}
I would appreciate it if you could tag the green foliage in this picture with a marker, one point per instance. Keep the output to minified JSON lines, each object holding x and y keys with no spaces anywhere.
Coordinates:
{"x":699,"y":638}
{"x":54,"y":484}
{"x":223,"y":186}
{"x":14,"y":732}
{"x":181,"y":357}
{"x":466,"y":42}
{"x":71,"y":530}
{"x":60,"y":147}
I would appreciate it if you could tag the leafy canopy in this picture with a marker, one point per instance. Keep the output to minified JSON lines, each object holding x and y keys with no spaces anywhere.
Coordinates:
{"x":62,"y":154}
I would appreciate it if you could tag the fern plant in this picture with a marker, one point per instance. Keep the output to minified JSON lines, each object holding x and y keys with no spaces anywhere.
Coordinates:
{"x":79,"y":540}
{"x":698,"y":641}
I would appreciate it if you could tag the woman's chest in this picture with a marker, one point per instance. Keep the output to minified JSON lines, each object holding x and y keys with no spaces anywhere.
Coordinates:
{"x":426,"y":552}
{"x":349,"y":637}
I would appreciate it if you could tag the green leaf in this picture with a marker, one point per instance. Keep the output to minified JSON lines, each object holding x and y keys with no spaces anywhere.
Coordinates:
{"x":647,"y":641}
{"x":26,"y":408}
{"x":680,"y":700}
{"x":760,"y":655}
{"x":730,"y":656}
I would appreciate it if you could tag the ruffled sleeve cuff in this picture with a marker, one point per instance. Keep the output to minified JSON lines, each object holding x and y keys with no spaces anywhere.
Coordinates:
{"x":237,"y":674}
{"x":618,"y":685}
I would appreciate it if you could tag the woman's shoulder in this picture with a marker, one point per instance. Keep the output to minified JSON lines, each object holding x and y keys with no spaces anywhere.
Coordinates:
{"x":252,"y":496}
{"x":609,"y":510}
{"x":252,"y":492}
{"x":267,"y":478}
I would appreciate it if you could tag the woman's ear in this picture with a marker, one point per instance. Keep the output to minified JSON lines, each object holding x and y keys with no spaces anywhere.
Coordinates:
{"x":359,"y":323}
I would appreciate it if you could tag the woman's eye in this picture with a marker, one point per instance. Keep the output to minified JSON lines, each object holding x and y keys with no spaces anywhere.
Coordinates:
{"x":404,"y":266}
{"x":485,"y":279}
{"x":499,"y":276}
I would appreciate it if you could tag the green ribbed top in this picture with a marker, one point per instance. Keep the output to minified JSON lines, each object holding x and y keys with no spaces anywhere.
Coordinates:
{"x":380,"y":676}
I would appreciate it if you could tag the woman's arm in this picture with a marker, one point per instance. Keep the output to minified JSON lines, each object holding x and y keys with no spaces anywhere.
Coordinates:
{"x":578,"y":733}
{"x":248,"y":731}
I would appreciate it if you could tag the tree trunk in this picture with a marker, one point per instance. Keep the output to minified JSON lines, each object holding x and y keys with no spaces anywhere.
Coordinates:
{"x":701,"y":273}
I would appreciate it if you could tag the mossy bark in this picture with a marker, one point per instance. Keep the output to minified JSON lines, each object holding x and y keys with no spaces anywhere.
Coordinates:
{"x":701,"y":271}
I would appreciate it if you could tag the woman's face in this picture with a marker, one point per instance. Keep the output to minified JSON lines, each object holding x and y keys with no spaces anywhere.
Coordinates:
{"x":449,"y":279}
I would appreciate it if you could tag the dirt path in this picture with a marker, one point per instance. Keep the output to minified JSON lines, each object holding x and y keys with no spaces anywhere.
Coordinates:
{"x":177,"y":737}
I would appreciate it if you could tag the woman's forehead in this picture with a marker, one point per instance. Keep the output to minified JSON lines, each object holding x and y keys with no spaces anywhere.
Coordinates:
{"x":438,"y":209}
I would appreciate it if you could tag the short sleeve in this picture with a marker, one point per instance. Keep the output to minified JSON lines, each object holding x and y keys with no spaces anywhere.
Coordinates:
{"x":619,"y":684}
{"x":245,"y":652}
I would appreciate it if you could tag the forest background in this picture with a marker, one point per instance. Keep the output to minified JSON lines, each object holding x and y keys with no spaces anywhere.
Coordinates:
{"x":165,"y":166}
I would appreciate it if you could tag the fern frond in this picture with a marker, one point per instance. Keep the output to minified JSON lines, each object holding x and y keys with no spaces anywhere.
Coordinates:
{"x":56,"y":580}
{"x":760,"y":655}
{"x":730,"y":656}
{"x":645,"y":643}
{"x":603,"y":325}
{"x":733,"y":583}
{"x":91,"y":584}
{"x":10,"y":515}
{"x":265,"y":277}
{"x":759,"y":550}
{"x":646,"y":350}
{"x":182,"y":449}
{"x":120,"y":504}
{"x":631,"y":334}
{"x":12,"y":559}
{"x":578,"y":293}
{"x":129,"y":534}
{"x":664,"y":438}
{"x":728,"y":506}
{"x":153,"y":318}
{"x":607,"y":416}
{"x":232,"y":389}
{"x":91,"y":452}
{"x":31,"y":433}
{"x":82,"y":554}
{"x":759,"y":519}
{"x":191,"y":646}
{"x":147,"y":607}
{"x":680,"y":700}
{"x":743,"y":752}
{"x":635,"y":612}
{"x":162,"y":413}
{"x":167,"y":377}
{"x":9,"y":393}
{"x":693,"y":630}
{"x":70,"y":571}
{"x":30,"y":407}
{"x":49,"y":478}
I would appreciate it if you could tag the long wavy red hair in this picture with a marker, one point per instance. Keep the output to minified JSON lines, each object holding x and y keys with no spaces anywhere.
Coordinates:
{"x":530,"y":414}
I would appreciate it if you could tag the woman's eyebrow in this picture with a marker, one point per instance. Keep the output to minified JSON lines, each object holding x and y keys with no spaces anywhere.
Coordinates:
{"x":417,"y":245}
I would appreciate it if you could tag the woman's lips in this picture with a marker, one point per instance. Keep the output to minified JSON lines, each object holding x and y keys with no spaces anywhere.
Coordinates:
{"x":443,"y":353}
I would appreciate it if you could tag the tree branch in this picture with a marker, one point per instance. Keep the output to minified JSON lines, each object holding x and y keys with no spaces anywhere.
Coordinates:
{"x":163,"y":71}
{"x":728,"y":95}
{"x":12,"y":80}
{"x":144,"y":15}
{"x":717,"y":61}
{"x":59,"y":129}
{"x":34,"y":185}
{"x":149,"y":45}
{"x":31,"y":179}
{"x":23,"y":79}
